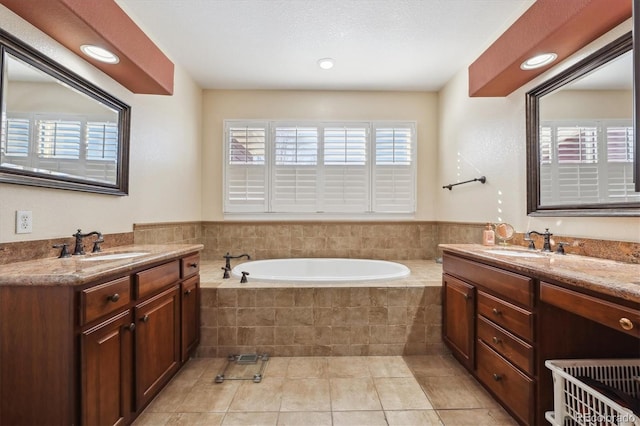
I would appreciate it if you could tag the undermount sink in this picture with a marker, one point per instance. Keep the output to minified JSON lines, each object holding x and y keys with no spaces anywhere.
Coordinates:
{"x":113,"y":256}
{"x":514,"y":253}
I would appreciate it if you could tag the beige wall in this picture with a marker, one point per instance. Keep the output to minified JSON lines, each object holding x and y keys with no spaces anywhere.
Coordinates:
{"x":486,"y":136}
{"x":318,"y":105}
{"x":587,"y":104}
{"x":165,"y":169}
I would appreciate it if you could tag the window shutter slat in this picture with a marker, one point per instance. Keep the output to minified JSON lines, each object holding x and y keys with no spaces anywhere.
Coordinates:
{"x":394,"y":170}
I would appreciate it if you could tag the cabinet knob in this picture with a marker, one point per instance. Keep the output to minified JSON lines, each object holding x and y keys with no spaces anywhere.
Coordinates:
{"x":496,"y":340}
{"x":467,"y":297}
{"x":187,"y":292}
{"x":145,"y":318}
{"x":193,"y":265}
{"x":113,"y":298}
{"x":626,"y":323}
{"x":497,"y":377}
{"x":496,"y":311}
{"x":130,"y":327}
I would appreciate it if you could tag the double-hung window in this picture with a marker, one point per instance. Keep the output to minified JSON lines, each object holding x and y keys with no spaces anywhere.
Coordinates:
{"x":319,"y":167}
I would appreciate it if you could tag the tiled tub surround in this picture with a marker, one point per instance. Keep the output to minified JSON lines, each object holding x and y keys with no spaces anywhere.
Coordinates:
{"x":399,"y":317}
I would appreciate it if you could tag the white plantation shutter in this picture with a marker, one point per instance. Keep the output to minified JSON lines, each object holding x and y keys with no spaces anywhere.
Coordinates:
{"x":18,"y":137}
{"x":245,"y":167}
{"x":346,"y":171}
{"x":319,"y":168}
{"x":59,"y":138}
{"x":295,"y":170}
{"x":102,"y":140}
{"x":587,"y":162}
{"x":394,"y":169}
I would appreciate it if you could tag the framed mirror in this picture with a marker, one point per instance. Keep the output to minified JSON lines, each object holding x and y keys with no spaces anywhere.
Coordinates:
{"x":580,"y":138}
{"x":59,"y":130}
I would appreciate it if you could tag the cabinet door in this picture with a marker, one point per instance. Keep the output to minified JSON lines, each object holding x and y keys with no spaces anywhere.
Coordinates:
{"x":190,"y":315}
{"x":458,"y":319}
{"x":157,"y":343}
{"x":107,"y":374}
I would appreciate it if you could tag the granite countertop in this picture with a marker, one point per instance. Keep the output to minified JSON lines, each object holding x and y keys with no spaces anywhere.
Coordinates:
{"x":423,"y":273}
{"x":78,"y":270}
{"x":618,"y":279}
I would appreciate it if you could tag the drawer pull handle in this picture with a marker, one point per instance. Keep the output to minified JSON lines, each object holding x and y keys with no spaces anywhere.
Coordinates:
{"x":626,"y":323}
{"x":113,"y":298}
{"x":145,"y":318}
{"x":496,"y":311}
{"x":497,"y":377}
{"x":130,"y":327}
{"x":193,"y":265}
{"x":496,"y":340}
{"x":187,"y":292}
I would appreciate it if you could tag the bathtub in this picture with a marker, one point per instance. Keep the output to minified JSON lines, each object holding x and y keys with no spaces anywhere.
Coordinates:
{"x":321,"y":270}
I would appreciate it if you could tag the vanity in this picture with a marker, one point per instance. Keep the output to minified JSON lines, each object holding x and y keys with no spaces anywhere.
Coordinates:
{"x":507,"y":310}
{"x":92,"y":339}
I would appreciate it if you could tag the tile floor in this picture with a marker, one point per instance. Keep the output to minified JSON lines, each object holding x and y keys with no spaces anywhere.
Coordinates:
{"x":305,"y":391}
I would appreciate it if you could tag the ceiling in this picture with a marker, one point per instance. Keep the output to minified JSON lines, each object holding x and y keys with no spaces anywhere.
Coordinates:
{"x":413,"y":45}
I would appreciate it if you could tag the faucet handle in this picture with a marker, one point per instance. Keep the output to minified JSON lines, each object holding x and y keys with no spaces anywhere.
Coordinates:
{"x":560,"y":249}
{"x":244,"y":277}
{"x":64,"y":252}
{"x":226,"y":272}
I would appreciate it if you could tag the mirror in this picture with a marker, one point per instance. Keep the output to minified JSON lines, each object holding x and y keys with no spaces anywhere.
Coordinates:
{"x":59,"y":130}
{"x":580,"y":138}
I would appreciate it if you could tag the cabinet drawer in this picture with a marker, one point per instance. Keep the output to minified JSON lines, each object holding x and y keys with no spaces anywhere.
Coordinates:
{"x":512,"y":387}
{"x":622,"y":318}
{"x":157,"y":278}
{"x":104,"y":298}
{"x":508,"y":316}
{"x":516,"y":351}
{"x":190,"y":265}
{"x":517,"y":288}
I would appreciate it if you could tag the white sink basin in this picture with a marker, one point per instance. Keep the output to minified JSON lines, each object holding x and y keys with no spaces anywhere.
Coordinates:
{"x":514,"y":253}
{"x":113,"y":256}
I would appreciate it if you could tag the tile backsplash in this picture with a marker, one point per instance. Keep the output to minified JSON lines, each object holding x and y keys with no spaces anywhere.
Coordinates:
{"x":378,"y":240}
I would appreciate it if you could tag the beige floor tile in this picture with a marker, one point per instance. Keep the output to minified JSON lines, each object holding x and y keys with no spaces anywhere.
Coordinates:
{"x":353,"y":418}
{"x":479,"y":417}
{"x":152,"y":419}
{"x":212,"y":369}
{"x":196,"y":419}
{"x":388,"y":366}
{"x":209,"y":398}
{"x":277,"y":367}
{"x":306,"y":395}
{"x":435,"y":365}
{"x":171,"y":397}
{"x":307,"y":368}
{"x":401,"y":393}
{"x":250,"y":419}
{"x":455,"y":392}
{"x":413,"y":418}
{"x":263,"y":396}
{"x":305,"y":418}
{"x":354,"y":394}
{"x":348,"y":367}
{"x":193,"y":370}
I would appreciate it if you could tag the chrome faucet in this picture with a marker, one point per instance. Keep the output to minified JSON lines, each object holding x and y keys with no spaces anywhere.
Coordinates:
{"x":227,"y":263}
{"x":79,"y":248}
{"x":546,"y":246}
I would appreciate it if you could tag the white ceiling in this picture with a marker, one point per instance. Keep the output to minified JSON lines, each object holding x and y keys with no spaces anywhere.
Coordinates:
{"x":275,"y":44}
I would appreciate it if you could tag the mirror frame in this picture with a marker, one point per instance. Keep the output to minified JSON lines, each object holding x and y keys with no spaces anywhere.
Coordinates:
{"x":534,"y":208}
{"x":17,"y":48}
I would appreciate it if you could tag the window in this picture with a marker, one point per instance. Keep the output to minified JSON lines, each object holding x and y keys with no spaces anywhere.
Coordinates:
{"x":589,"y":161}
{"x":302,"y":167}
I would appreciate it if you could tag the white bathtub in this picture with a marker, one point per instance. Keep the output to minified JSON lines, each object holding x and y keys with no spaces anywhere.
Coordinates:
{"x":321,"y":270}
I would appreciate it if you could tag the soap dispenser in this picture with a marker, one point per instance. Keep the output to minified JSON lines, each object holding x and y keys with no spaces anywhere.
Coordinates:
{"x":488,"y":236}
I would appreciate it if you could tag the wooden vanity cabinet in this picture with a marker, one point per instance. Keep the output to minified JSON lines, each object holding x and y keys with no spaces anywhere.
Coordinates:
{"x":95,"y":354}
{"x":458,"y":300}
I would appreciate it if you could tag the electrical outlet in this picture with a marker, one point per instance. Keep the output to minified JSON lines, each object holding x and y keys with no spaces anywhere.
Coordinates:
{"x":24,"y":222}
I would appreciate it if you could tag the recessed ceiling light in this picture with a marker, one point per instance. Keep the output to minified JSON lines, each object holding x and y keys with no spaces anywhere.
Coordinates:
{"x":99,"y":53}
{"x":326,"y":63}
{"x":538,"y":61}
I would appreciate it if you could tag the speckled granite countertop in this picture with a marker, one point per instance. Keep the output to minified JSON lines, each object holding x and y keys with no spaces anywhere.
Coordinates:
{"x":603,"y":276}
{"x":423,"y":273}
{"x":78,"y":270}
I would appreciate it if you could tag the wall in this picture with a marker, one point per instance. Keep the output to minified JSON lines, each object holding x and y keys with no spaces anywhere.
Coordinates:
{"x":165,"y":168}
{"x":318,"y":105}
{"x":486,"y":136}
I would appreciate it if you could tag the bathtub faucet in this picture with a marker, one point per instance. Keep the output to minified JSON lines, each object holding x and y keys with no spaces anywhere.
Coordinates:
{"x":227,"y":263}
